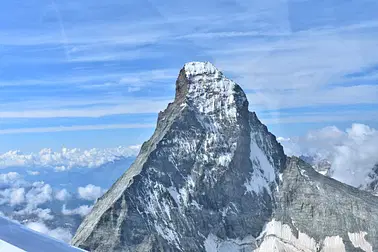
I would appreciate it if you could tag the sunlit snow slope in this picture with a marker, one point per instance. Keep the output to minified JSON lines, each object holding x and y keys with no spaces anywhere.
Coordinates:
{"x":15,"y":237}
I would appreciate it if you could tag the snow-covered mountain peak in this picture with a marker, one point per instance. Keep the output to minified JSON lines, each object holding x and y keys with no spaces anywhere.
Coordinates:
{"x":212,"y":178}
{"x":203,"y":87}
{"x":210,"y":166}
{"x":197,"y":68}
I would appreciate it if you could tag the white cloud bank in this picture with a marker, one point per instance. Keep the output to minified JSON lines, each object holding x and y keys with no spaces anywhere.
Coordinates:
{"x":17,"y":196}
{"x":66,"y":159}
{"x":39,"y":194}
{"x":62,"y":195}
{"x":81,"y":210}
{"x":58,"y":233}
{"x":15,"y":191}
{"x":10,"y":179}
{"x":12,"y":196}
{"x":352,"y":153}
{"x":90,"y":192}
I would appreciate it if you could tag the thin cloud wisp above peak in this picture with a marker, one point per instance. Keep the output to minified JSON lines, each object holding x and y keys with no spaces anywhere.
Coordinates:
{"x":75,"y":128}
{"x":87,"y":59}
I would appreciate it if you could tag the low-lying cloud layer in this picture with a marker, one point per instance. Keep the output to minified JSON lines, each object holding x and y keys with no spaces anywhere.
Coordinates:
{"x":58,"y":233}
{"x":352,"y":152}
{"x":90,"y":192}
{"x":66,"y":159}
{"x":42,"y":206}
{"x":81,"y":210}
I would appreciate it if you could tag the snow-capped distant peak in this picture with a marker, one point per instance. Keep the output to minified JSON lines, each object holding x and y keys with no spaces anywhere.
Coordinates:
{"x":197,"y":68}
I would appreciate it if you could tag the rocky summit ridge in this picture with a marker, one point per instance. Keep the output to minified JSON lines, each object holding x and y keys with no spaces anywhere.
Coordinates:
{"x":213,"y":178}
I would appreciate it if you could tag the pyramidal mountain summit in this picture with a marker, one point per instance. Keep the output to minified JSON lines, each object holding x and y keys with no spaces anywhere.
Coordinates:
{"x":212,"y":178}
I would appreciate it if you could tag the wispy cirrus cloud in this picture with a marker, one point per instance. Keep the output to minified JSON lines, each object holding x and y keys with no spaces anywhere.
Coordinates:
{"x":360,"y":94}
{"x":75,"y":128}
{"x":324,"y":117}
{"x":148,"y":107}
{"x":93,"y":78}
{"x":79,"y":62}
{"x":311,"y":58}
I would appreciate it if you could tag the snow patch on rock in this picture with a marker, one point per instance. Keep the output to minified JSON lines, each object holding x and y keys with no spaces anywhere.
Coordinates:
{"x":279,"y":237}
{"x":333,"y":243}
{"x":174,"y":194}
{"x":358,"y":240}
{"x":195,"y":68}
{"x":168,"y":234}
{"x":211,"y":92}
{"x":263,"y":174}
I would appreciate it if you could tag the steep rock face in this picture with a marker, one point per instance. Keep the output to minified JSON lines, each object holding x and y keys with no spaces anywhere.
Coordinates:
{"x":324,"y":166}
{"x":205,"y":181}
{"x":372,"y":181}
{"x":320,"y":165}
{"x":318,"y":213}
{"x":213,"y":179}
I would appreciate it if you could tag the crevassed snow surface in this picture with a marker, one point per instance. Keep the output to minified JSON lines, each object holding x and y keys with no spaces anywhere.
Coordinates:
{"x":15,"y":237}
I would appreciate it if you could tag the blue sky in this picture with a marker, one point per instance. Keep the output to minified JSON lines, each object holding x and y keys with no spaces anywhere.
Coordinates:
{"x":95,"y":73}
